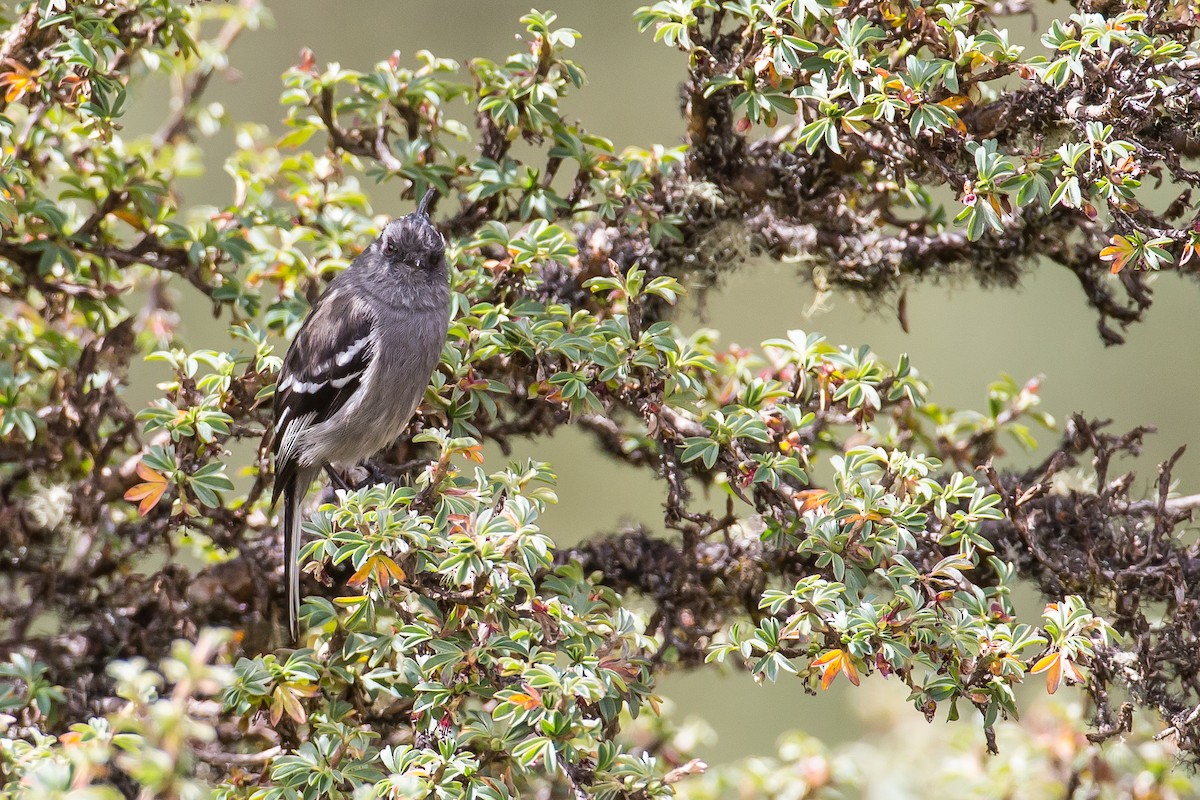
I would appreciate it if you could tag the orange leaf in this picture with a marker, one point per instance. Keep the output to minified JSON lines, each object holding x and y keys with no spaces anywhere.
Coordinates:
{"x":956,"y":102}
{"x":812,"y":498}
{"x":130,"y":218}
{"x":832,"y":663}
{"x":1051,"y":664}
{"x":19,"y":80}
{"x":526,"y":701}
{"x":849,"y":669}
{"x":150,"y":492}
{"x":1116,"y":256}
{"x":145,"y":473}
{"x":1072,"y":671}
{"x":384,"y":569}
{"x":1119,"y":251}
{"x":16,"y":89}
{"x":387,"y":571}
{"x":362,"y":573}
{"x":832,"y":655}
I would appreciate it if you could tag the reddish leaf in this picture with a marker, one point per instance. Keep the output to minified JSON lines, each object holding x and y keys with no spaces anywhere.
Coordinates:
{"x":130,"y":218}
{"x":1072,"y":671}
{"x":19,"y":80}
{"x":276,"y":708}
{"x":70,"y":738}
{"x":955,"y":102}
{"x":808,"y":499}
{"x":832,"y":663}
{"x":148,"y":493}
{"x":1119,"y":251}
{"x":1051,"y":664}
{"x":388,"y":570}
{"x":384,"y":568}
{"x":362,"y":573}
{"x":528,"y":701}
{"x":850,"y":670}
{"x":307,"y":60}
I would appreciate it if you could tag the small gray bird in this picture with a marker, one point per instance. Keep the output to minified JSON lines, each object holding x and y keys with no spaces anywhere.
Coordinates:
{"x":358,"y":367}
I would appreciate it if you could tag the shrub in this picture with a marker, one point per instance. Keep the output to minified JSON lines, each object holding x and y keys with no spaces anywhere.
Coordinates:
{"x":849,"y":527}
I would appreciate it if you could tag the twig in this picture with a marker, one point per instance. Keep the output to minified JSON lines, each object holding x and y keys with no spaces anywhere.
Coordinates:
{"x":574,"y":780}
{"x":1176,"y":729}
{"x":438,"y":474}
{"x":693,"y":767}
{"x":19,"y":33}
{"x":239,"y":759}
{"x":110,"y":204}
{"x":1180,"y":505}
{"x":177,"y":123}
{"x":1123,"y":724}
{"x":383,"y":152}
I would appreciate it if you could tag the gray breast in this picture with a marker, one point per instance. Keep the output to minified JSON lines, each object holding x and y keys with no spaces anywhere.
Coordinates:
{"x":407,"y":349}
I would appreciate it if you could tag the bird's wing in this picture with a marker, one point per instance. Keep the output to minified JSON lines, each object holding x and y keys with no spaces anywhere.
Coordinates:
{"x":322,"y":369}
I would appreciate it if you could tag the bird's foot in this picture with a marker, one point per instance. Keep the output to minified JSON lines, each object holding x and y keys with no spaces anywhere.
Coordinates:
{"x":375,"y":476}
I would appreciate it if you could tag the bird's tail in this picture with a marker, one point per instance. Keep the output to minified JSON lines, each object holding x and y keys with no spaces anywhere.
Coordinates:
{"x":292,"y":497}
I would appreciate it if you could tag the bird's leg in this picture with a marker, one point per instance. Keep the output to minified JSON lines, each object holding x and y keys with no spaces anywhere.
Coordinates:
{"x":337,"y":479}
{"x":376,"y":475}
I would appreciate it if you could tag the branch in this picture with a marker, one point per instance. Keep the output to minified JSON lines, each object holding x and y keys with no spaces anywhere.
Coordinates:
{"x":197,"y":81}
{"x":19,"y":34}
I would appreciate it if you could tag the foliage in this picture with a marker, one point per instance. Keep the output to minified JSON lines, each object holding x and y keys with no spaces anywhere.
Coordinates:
{"x":1039,"y":759}
{"x":851,"y":527}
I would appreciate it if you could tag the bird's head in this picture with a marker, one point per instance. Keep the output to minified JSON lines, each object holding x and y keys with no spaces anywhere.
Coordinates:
{"x":412,"y":242}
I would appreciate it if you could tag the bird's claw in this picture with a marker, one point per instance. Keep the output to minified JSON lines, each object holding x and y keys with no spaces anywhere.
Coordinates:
{"x":376,"y":476}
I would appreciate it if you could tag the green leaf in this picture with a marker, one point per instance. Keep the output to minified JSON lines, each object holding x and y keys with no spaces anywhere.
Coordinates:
{"x":701,"y":447}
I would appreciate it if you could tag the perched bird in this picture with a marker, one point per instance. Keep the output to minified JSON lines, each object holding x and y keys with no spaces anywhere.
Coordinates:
{"x":358,"y":367}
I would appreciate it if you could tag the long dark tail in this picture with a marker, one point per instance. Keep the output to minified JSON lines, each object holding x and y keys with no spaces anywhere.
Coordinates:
{"x":292,"y":497}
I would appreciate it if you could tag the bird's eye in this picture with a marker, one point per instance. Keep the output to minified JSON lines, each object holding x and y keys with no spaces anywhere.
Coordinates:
{"x":389,"y":248}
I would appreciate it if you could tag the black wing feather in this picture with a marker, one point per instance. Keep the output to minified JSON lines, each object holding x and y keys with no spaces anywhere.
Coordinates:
{"x":321,"y":371}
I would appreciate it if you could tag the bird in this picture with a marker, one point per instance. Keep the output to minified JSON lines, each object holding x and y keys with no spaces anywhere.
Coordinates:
{"x":357,"y":368}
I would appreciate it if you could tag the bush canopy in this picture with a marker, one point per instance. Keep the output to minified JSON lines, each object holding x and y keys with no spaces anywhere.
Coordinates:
{"x":825,"y":519}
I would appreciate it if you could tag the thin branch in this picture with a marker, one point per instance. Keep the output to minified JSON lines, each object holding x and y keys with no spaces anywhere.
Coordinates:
{"x":19,"y":34}
{"x":197,"y":81}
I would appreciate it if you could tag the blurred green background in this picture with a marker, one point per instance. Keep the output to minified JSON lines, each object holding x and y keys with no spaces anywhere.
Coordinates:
{"x":961,"y":338}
